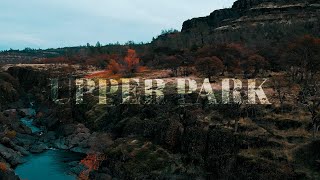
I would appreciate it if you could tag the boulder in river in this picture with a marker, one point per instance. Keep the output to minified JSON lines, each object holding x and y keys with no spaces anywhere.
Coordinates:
{"x":60,"y":144}
{"x":38,"y":148}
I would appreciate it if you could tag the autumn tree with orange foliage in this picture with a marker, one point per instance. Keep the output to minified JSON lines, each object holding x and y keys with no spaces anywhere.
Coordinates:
{"x":92,"y":162}
{"x":129,"y":66}
{"x":131,"y":62}
{"x":114,"y":67}
{"x":3,"y":167}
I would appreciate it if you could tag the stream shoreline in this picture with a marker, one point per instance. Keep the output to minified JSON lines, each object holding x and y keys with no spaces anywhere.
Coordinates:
{"x":45,"y":152}
{"x":35,"y":142}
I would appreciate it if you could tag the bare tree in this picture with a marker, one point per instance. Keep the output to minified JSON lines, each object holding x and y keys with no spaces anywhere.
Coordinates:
{"x":309,"y":96}
{"x":279,"y":84}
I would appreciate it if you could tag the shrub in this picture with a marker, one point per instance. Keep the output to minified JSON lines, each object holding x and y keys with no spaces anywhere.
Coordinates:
{"x":254,"y":64}
{"x":114,"y":67}
{"x":131,"y":62}
{"x":209,"y":66}
{"x":3,"y":167}
{"x":11,"y":134}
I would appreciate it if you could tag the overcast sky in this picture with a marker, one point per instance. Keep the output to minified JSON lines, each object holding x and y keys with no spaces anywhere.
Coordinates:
{"x":61,"y":23}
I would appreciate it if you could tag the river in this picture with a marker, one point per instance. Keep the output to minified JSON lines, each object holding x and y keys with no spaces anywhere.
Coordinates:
{"x":49,"y":165}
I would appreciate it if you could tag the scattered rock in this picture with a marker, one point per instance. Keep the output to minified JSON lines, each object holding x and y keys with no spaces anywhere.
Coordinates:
{"x":60,"y":144}
{"x":6,"y":141}
{"x":12,"y":157}
{"x":25,"y":140}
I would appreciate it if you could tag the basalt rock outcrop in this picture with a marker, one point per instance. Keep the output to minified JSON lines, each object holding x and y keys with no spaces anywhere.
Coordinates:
{"x":248,"y":21}
{"x":9,"y":90}
{"x":12,"y":147}
{"x":18,"y":85}
{"x":29,"y":78}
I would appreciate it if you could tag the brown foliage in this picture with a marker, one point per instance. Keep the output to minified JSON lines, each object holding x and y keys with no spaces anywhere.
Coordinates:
{"x":303,"y":58}
{"x":129,"y":66}
{"x":11,"y":134}
{"x":92,"y":162}
{"x":231,"y":55}
{"x":131,"y":62}
{"x":56,"y":60}
{"x":114,"y":67}
{"x":3,"y":167}
{"x":254,"y":64}
{"x":98,"y":60}
{"x":173,"y":63}
{"x":209,"y":66}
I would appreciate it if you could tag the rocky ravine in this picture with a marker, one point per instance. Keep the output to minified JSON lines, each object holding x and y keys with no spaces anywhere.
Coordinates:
{"x":18,"y":87}
{"x":18,"y":141}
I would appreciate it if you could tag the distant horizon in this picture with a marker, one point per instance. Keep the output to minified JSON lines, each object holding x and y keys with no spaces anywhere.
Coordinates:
{"x":74,"y":46}
{"x":63,"y":23}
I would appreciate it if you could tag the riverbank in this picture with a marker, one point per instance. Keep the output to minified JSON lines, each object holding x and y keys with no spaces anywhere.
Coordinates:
{"x":46,"y":162}
{"x":33,"y":152}
{"x":29,"y":132}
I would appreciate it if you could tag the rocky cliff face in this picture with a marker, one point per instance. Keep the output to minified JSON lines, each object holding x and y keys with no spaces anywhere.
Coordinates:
{"x":256,"y":11}
{"x":266,"y":19}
